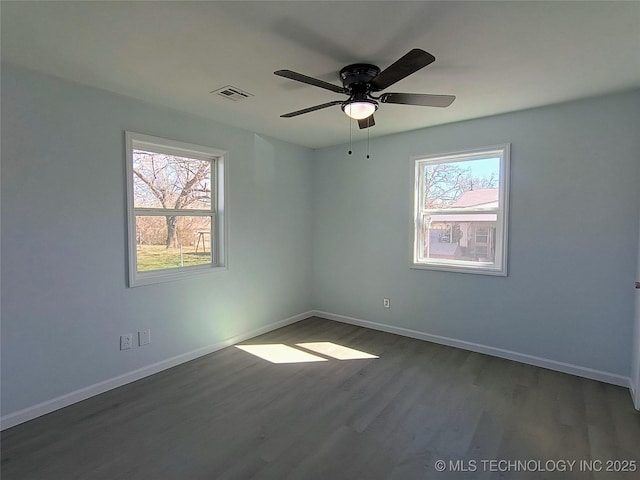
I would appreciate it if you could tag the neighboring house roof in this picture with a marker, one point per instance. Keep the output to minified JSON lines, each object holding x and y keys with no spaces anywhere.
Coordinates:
{"x":479,"y":217}
{"x":475,"y":198}
{"x":487,"y":197}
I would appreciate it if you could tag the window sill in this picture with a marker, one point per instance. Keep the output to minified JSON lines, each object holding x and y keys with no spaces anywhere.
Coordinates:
{"x":171,"y":275}
{"x":477,"y":270}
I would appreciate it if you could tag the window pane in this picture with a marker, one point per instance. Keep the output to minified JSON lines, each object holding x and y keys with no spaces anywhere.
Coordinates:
{"x":465,"y":184}
{"x":169,"y":181}
{"x":459,"y":237}
{"x":174,"y":241}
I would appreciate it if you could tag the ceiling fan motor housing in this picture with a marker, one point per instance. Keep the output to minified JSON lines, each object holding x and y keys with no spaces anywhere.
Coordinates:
{"x":356,"y":77}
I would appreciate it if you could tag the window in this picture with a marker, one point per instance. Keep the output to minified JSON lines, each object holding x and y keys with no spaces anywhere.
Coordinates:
{"x":460,"y":211}
{"x":176,"y":209}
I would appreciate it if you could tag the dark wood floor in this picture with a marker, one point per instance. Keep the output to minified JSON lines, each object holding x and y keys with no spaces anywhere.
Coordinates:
{"x":231,"y":415}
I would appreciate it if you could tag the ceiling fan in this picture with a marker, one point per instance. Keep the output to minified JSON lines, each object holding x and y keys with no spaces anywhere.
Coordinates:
{"x":361,"y":80}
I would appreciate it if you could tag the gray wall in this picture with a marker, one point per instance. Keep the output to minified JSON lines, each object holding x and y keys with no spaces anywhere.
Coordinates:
{"x":307,"y":230}
{"x":575,"y":171}
{"x":64,"y":295}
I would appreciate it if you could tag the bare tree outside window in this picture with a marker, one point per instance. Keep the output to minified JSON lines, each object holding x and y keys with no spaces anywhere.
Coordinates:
{"x":173,"y":183}
{"x":444,"y":183}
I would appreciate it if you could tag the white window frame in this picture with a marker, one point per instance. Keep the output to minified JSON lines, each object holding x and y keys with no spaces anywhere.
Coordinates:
{"x":499,"y":266}
{"x":219,"y":207}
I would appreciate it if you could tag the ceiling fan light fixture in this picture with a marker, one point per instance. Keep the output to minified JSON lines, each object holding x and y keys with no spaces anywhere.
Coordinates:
{"x":359,"y":109}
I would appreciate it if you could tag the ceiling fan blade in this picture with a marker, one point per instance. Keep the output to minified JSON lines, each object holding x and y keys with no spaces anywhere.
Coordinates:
{"x":422,"y":99}
{"x":366,"y":122}
{"x":310,"y":80}
{"x":405,"y":66}
{"x":311,"y":109}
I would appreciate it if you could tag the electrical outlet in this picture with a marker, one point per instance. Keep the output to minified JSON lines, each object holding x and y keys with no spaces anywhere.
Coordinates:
{"x":144,"y":338}
{"x":126,"y":341}
{"x":386,"y":303}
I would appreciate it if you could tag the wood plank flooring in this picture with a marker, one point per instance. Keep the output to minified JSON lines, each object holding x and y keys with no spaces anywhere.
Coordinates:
{"x":232,"y":415}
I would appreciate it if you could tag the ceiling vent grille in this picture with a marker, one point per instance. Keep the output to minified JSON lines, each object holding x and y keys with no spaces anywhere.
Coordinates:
{"x":232,"y":93}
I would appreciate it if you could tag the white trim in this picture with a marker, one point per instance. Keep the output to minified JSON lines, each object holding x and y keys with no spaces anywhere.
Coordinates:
{"x":65,"y":400}
{"x":478,"y":268}
{"x":29,"y":413}
{"x":635,"y":394}
{"x":563,"y":367}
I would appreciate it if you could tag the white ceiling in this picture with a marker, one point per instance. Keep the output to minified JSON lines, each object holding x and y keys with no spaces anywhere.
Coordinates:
{"x":494,"y":56}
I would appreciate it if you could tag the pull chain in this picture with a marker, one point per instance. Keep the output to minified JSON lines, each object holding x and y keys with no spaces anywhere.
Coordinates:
{"x":350,"y":138}
{"x":368,"y":128}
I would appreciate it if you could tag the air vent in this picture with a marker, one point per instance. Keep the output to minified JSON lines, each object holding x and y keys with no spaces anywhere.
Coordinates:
{"x":232,"y":93}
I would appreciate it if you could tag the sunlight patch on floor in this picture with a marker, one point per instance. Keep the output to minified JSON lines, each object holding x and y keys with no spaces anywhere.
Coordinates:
{"x":336,"y":351}
{"x":279,"y":353}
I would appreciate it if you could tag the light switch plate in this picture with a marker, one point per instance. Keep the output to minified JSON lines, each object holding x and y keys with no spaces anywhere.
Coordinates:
{"x":144,"y":338}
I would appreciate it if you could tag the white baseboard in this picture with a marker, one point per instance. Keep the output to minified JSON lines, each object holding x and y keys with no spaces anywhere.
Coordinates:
{"x":635,"y":394}
{"x":577,"y":370}
{"x":62,"y":401}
